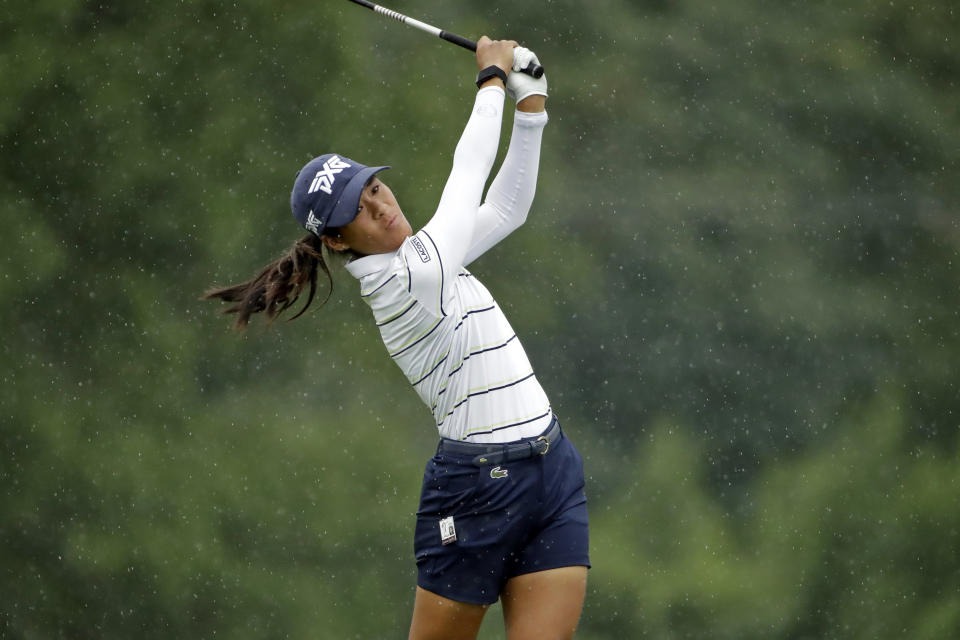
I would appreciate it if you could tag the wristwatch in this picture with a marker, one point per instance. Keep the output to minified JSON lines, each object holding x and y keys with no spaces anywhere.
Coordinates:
{"x":493,"y":71}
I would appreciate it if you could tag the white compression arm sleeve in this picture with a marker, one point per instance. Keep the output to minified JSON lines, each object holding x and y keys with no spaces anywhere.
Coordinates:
{"x":452,"y":227}
{"x":511,"y":194}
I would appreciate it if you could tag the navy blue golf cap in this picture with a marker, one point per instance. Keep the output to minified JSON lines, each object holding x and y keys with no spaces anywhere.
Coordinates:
{"x":326,"y":192}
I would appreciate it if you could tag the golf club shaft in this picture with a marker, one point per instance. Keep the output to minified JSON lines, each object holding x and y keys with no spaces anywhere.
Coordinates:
{"x":532,"y":69}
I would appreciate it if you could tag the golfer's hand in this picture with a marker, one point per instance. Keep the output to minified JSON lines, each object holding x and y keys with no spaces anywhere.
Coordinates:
{"x":522,"y":87}
{"x":495,"y":52}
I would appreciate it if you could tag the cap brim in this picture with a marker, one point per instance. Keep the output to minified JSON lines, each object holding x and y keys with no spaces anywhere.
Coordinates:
{"x":346,"y":208}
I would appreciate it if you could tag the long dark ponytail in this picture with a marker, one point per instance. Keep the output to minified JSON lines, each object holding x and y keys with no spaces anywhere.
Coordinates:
{"x":278,"y":285}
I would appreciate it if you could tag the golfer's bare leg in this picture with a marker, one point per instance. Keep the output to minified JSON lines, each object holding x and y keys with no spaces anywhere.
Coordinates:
{"x":439,"y":618}
{"x":544,"y":605}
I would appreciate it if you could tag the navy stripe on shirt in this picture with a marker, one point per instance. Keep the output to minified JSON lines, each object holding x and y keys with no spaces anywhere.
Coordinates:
{"x":367,"y":295}
{"x":440,"y":260}
{"x":460,"y":366}
{"x":507,"y":426}
{"x":418,"y":340}
{"x":462,"y":319}
{"x":470,"y":313}
{"x":430,"y":373}
{"x":409,"y":306}
{"x":485,"y":391}
{"x":479,"y":351}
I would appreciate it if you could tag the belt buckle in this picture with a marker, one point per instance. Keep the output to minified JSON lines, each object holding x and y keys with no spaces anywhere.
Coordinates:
{"x":547,"y":448}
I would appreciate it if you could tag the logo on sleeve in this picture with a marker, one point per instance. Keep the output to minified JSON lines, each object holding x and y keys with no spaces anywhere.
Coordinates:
{"x":421,"y":250}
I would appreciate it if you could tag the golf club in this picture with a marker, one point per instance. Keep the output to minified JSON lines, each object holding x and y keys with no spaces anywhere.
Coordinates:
{"x":532,"y":69}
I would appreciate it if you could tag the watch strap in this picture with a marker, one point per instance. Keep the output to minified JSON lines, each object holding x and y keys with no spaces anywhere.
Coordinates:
{"x":493,"y":71}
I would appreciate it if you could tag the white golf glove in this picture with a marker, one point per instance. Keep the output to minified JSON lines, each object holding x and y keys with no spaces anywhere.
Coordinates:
{"x":520,"y":85}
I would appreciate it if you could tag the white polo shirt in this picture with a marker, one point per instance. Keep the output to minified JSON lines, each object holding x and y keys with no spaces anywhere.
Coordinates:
{"x":438,"y":322}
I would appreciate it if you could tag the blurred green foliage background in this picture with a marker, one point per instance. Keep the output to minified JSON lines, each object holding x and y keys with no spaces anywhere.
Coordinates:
{"x":738,"y":284}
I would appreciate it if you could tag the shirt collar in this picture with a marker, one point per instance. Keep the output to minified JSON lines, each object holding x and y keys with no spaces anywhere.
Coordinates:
{"x":360,"y":268}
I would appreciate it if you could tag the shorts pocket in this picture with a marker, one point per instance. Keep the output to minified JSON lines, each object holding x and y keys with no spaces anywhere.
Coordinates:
{"x":447,"y":487}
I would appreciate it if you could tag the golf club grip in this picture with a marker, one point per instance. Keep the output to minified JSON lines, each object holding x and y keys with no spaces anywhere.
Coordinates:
{"x":532,"y":69}
{"x":466,"y":43}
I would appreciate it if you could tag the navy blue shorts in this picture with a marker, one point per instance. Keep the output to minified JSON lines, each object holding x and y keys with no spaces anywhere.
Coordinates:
{"x":507,"y":520}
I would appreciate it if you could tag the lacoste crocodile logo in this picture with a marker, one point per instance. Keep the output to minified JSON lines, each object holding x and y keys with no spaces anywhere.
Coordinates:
{"x":497,"y":472}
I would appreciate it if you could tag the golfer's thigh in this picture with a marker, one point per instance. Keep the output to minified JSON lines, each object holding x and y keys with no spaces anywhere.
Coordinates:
{"x":544,"y":605}
{"x":439,"y":618}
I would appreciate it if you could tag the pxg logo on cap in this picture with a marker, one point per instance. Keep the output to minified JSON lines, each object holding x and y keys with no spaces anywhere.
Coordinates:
{"x":326,"y":192}
{"x":327,"y":175}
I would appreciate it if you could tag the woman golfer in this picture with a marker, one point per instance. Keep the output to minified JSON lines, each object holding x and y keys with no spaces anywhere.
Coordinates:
{"x":502,"y":510}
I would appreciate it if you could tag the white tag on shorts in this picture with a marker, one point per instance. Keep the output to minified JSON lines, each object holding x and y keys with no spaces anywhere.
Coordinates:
{"x":448,"y":533}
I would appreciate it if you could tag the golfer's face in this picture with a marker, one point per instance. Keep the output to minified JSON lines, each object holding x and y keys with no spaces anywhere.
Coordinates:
{"x":380,"y":226}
